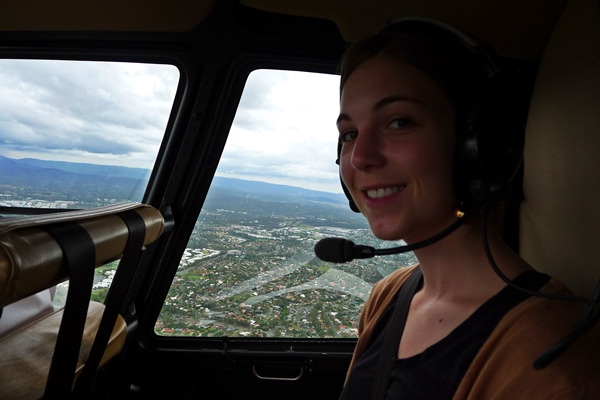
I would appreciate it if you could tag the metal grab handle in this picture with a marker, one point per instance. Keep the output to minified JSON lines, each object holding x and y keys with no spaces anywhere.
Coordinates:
{"x":274,"y":378}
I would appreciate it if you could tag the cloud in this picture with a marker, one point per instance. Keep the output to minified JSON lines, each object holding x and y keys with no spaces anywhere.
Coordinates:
{"x":116,"y":113}
{"x":99,"y":108}
{"x":285,"y":127}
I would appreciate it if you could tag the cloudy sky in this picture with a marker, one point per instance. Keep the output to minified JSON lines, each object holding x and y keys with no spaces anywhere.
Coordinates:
{"x":285,"y":129}
{"x":115,"y":114}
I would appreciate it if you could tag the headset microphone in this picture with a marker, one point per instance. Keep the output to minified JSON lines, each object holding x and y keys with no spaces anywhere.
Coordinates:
{"x":338,"y":250}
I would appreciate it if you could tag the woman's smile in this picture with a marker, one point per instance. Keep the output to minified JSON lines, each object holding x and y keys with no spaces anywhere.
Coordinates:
{"x":383,"y":192}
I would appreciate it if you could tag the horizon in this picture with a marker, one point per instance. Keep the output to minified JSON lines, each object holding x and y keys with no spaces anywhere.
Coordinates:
{"x":274,"y":181}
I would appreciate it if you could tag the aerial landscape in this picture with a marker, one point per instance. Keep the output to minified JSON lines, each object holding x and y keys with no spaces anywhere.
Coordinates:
{"x":249,"y":268}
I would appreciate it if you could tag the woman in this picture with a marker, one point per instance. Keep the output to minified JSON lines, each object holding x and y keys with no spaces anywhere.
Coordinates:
{"x":405,"y":95}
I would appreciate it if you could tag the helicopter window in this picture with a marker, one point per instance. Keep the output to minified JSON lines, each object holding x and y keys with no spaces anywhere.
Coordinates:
{"x":249,"y":269}
{"x":80,"y":134}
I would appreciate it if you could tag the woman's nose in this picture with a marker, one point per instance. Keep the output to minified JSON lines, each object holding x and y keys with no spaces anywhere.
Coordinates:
{"x":366,"y":153}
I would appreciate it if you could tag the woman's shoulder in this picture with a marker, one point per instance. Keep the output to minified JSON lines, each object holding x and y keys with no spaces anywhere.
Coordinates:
{"x":543,"y":317}
{"x":544,"y":322}
{"x":524,"y":334}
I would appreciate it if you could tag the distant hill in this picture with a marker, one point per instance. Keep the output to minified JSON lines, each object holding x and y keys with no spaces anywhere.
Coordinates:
{"x":53,"y":180}
{"x":88,"y":169}
{"x":258,"y":187}
{"x":47,"y":180}
{"x":233,"y":206}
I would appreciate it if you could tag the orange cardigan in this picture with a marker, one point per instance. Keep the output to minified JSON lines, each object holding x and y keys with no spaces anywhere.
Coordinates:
{"x":503,"y":367}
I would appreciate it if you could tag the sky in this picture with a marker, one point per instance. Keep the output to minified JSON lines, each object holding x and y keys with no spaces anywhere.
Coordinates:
{"x":285,"y":129}
{"x":116,"y":113}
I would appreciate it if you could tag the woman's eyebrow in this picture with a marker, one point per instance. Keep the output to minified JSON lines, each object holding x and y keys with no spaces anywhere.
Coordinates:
{"x":383,"y":103}
{"x":393,"y":99}
{"x":342,"y":117}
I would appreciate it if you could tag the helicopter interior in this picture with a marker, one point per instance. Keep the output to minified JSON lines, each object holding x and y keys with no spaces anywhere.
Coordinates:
{"x":217,"y":51}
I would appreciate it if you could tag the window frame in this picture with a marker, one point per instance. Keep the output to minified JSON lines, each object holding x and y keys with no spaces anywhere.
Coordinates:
{"x":179,"y":183}
{"x":199,"y":186}
{"x":109,"y":56}
{"x":124,"y":48}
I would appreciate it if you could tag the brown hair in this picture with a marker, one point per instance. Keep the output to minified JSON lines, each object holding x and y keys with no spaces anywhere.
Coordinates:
{"x":435,"y":51}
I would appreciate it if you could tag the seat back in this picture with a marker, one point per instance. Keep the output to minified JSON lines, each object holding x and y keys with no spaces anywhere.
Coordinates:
{"x":32,"y":260}
{"x":560,"y":215}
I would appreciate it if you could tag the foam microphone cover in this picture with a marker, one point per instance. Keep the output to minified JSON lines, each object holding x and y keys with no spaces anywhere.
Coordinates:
{"x":336,"y":250}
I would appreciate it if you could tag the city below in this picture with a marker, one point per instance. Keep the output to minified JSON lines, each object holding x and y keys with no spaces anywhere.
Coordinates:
{"x":249,"y":268}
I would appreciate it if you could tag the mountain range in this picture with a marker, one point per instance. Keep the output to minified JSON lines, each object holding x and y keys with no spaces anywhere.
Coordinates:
{"x":53,"y":180}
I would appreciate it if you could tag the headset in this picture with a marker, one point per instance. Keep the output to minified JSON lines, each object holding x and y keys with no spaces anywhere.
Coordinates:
{"x":490,"y":140}
{"x":490,"y":134}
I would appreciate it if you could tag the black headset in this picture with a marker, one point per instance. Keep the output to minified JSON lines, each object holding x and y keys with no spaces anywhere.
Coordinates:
{"x":490,"y":134}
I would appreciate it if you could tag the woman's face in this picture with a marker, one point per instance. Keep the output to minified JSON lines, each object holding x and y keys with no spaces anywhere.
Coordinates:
{"x":397,"y":128}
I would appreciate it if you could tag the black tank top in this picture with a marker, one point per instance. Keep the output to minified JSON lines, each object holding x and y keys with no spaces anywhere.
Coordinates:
{"x":437,"y":372}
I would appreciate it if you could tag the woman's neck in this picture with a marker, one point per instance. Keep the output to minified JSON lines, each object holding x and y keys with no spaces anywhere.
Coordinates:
{"x":457,"y":269}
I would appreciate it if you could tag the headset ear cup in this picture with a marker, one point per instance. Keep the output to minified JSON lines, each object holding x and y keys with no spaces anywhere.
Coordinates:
{"x":351,"y":202}
{"x":491,"y":141}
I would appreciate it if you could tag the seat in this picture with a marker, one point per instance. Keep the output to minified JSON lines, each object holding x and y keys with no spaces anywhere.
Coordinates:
{"x":559,"y":216}
{"x":32,"y":260}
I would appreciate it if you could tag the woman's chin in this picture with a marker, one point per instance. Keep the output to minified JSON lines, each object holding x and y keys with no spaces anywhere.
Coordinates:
{"x":386,"y":233}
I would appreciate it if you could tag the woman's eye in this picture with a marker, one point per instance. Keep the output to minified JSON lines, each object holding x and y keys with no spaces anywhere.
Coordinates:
{"x":400,"y":123}
{"x":348,"y":136}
